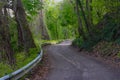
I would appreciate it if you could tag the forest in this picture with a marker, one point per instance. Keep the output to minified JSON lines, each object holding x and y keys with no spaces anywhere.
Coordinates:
{"x":25,"y":25}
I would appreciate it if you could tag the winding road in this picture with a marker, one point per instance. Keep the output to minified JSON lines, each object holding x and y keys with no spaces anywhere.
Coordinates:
{"x":68,"y":64}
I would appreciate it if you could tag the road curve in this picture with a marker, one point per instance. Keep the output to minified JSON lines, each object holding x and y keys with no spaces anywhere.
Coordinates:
{"x":69,"y":64}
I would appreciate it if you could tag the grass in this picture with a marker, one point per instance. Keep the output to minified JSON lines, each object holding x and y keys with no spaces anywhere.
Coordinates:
{"x":21,"y":60}
{"x":5,"y":69}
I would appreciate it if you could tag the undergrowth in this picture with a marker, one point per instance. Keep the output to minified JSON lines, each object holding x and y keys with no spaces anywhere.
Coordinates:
{"x":5,"y":69}
{"x":21,"y":60}
{"x":107,"y":49}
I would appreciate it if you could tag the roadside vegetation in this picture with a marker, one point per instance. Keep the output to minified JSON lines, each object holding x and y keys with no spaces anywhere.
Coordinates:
{"x":26,"y":25}
{"x":18,"y":40}
{"x":99,"y":26}
{"x":94,"y":25}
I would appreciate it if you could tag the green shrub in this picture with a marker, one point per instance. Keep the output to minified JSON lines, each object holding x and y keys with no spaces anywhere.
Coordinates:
{"x":22,"y":59}
{"x":33,"y":51}
{"x":86,"y":44}
{"x":5,"y":69}
{"x":78,"y":42}
{"x":111,"y":27}
{"x":107,"y":30}
{"x":118,"y":54}
{"x":117,"y":41}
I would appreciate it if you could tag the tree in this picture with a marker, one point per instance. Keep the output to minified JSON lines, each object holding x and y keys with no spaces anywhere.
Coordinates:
{"x":5,"y":45}
{"x":89,"y":12}
{"x":61,"y":19}
{"x":43,"y":28}
{"x":84,"y":16}
{"x":80,"y":28}
{"x":24,"y":34}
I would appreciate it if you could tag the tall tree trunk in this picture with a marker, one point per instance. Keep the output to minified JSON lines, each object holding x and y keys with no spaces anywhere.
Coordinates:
{"x":90,"y":34}
{"x":80,"y":28}
{"x":25,"y":36}
{"x":89,"y":12}
{"x":83,"y":14}
{"x":5,"y":45}
{"x":43,"y":28}
{"x":20,"y":35}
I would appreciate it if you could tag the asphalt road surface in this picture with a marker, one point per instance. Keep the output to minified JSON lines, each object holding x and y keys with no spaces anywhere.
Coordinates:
{"x":69,"y":64}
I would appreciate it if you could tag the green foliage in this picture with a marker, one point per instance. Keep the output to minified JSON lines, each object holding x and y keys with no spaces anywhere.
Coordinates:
{"x":22,"y":59}
{"x":84,"y":44}
{"x":118,"y":54}
{"x":61,"y":20}
{"x":33,"y":51}
{"x":111,"y":27}
{"x":78,"y":42}
{"x":109,"y":32}
{"x":5,"y":69}
{"x":44,"y":42}
{"x":117,"y":41}
{"x":62,"y":23}
{"x":32,"y":7}
{"x":13,"y":34}
{"x":98,"y":11}
{"x":106,"y":21}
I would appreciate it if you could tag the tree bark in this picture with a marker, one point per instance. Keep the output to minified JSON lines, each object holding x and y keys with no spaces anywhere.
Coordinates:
{"x":42,"y":26}
{"x":80,"y":28}
{"x":89,"y":12}
{"x":24,"y":33}
{"x":90,"y":34}
{"x":5,"y":45}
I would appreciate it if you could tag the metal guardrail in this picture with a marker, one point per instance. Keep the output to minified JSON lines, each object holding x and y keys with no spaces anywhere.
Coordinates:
{"x":21,"y":72}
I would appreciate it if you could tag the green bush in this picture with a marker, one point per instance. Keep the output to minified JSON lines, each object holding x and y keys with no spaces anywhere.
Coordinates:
{"x":85,"y":44}
{"x":33,"y":51}
{"x":118,"y":55}
{"x":22,"y":59}
{"x":5,"y":69}
{"x":117,"y":41}
{"x":78,"y":42}
{"x":107,"y":30}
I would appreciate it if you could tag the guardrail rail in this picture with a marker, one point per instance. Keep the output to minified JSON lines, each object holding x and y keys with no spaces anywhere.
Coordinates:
{"x":21,"y":72}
